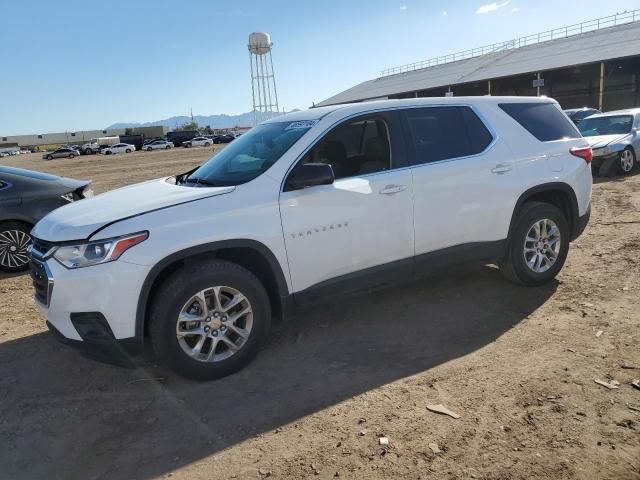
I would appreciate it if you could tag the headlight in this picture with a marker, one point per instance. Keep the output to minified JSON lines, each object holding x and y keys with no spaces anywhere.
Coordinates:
{"x":94,"y":253}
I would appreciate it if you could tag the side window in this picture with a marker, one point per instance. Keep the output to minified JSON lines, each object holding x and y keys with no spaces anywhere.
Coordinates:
{"x":356,"y":147}
{"x":544,"y":121}
{"x":441,"y":133}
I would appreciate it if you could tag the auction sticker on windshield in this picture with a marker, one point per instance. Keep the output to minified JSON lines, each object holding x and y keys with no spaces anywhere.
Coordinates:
{"x":301,"y":124}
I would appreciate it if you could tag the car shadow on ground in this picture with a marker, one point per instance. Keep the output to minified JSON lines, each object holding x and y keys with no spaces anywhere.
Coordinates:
{"x":64,"y":416}
{"x":616,"y":178}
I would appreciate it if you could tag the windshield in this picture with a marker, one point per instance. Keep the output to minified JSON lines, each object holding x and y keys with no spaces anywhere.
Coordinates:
{"x":250,"y":155}
{"x":609,"y":125}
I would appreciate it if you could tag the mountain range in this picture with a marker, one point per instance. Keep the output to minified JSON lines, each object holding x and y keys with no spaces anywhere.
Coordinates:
{"x":213,"y":121}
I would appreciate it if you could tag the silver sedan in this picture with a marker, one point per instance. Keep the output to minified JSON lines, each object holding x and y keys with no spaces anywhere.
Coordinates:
{"x":615,"y":140}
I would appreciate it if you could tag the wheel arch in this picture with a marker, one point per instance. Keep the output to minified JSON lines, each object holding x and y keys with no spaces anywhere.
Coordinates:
{"x":252,"y":255}
{"x":558,"y":194}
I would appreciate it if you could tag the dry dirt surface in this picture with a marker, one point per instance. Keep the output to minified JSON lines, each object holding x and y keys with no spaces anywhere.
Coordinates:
{"x":517,"y":364}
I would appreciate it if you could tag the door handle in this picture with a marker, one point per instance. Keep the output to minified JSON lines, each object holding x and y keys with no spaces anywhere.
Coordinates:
{"x":392,"y":189}
{"x":500,"y":169}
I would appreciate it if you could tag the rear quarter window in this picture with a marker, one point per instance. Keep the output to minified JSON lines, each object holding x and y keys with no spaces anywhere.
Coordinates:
{"x":545,"y":121}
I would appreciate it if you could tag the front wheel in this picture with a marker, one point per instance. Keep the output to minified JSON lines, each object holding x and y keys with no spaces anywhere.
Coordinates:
{"x":128,"y":150}
{"x":49,"y":157}
{"x":167,"y":147}
{"x":538,"y":246}
{"x":627,"y":161}
{"x":71,"y":155}
{"x":208,"y":320}
{"x":149,"y":149}
{"x":14,"y":241}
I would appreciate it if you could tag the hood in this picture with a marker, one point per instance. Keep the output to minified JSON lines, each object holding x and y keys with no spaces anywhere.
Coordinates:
{"x":600,"y":141}
{"x":79,"y":220}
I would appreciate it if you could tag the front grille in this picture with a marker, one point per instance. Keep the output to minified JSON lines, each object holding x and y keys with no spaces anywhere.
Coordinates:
{"x":41,"y":247}
{"x":42,"y":282}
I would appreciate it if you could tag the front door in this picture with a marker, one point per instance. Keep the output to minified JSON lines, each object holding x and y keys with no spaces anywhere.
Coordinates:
{"x":357,"y":232}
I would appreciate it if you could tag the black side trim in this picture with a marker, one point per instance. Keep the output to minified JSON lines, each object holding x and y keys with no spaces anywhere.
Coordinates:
{"x":262,"y":249}
{"x":550,"y":187}
{"x":583,"y":221}
{"x":401,"y":271}
{"x":431,"y":262}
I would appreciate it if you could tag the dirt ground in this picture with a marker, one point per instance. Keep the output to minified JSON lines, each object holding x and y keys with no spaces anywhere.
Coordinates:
{"x":518,"y":364}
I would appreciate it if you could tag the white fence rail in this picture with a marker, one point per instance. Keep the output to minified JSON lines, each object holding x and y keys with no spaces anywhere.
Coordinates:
{"x":562,"y":32}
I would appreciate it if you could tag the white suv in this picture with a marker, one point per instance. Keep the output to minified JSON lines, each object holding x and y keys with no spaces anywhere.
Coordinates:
{"x":307,"y":205}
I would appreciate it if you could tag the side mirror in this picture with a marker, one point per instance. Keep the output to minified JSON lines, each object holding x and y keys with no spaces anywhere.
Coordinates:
{"x":311,"y":174}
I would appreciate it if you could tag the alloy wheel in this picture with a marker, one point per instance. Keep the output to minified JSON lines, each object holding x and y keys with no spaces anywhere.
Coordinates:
{"x":542,"y":245}
{"x":13,"y":249}
{"x":214,"y":324}
{"x":626,"y":161}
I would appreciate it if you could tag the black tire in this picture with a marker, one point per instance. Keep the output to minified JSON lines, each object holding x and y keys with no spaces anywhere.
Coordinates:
{"x":71,"y":155}
{"x":167,"y":147}
{"x":514,"y":266}
{"x":177,"y":290}
{"x":128,"y":150}
{"x":207,"y":144}
{"x":88,"y":151}
{"x":49,"y":157}
{"x":621,"y":168}
{"x":149,"y":149}
{"x":5,"y":263}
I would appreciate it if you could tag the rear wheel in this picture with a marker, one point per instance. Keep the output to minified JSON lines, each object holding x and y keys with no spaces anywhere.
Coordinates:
{"x":627,"y":161}
{"x":209,"y":320}
{"x":128,"y":150}
{"x":14,"y":241}
{"x":539,"y":245}
{"x":88,"y":151}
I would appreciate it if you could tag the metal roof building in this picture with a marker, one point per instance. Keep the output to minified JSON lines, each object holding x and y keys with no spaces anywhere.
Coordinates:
{"x":595,"y":63}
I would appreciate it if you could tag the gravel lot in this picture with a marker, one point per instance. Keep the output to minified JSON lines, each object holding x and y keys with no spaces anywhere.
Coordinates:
{"x":518,"y":364}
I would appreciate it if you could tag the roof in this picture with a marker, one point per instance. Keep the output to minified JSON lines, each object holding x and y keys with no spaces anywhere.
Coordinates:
{"x":355,"y":108}
{"x":606,"y":44}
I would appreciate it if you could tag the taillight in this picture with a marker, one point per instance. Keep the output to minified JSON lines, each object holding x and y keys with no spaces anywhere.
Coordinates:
{"x":583,"y":152}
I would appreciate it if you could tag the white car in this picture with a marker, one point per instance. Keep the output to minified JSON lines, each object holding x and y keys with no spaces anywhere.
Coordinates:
{"x":119,"y":148}
{"x":308,"y":206}
{"x":158,"y":145}
{"x":198,"y":142}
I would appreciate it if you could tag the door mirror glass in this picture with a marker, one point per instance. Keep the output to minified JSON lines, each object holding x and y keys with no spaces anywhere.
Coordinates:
{"x":311,"y":174}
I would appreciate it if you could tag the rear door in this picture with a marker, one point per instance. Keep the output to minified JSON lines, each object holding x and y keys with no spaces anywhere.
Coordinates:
{"x":464,"y":183}
{"x":357,"y":232}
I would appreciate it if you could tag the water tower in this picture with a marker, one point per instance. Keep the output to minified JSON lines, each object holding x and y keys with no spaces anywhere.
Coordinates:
{"x":263,"y":80}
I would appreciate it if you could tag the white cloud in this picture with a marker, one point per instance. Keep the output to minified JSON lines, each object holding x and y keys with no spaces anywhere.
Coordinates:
{"x":514,"y":9}
{"x":444,"y":13}
{"x":403,"y":7}
{"x":491,"y":7}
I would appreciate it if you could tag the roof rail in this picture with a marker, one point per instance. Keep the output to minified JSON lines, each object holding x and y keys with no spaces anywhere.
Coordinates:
{"x":555,"y":34}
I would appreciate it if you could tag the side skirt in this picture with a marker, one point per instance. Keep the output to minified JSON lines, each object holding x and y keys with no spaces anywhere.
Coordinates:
{"x":401,"y":271}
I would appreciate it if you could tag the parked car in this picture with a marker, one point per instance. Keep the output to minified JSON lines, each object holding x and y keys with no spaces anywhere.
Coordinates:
{"x":615,"y":140}
{"x":307,"y":206}
{"x":119,"y":148}
{"x":578,"y":114}
{"x":158,"y":145}
{"x":25,"y":197}
{"x":96,"y":145}
{"x":198,"y":142}
{"x":149,"y":140}
{"x":226,"y":138}
{"x":60,"y":153}
{"x":179,"y":136}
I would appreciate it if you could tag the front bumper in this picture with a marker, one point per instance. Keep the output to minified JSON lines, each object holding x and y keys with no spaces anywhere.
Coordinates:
{"x":125,"y":352}
{"x":109,"y":290}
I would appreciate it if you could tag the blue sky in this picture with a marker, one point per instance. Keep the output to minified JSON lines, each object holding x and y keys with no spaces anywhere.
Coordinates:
{"x":72,"y":65}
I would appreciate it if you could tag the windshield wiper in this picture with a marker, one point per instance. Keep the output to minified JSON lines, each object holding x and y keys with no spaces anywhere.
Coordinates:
{"x":200,"y":181}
